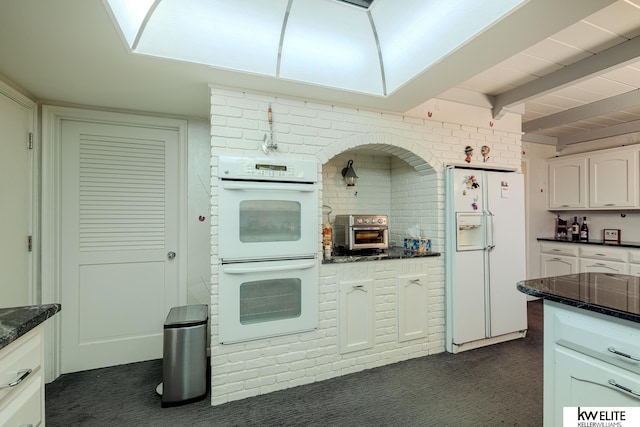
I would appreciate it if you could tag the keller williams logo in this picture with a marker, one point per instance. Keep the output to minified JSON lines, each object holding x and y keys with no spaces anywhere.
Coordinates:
{"x":601,"y":416}
{"x":591,"y":415}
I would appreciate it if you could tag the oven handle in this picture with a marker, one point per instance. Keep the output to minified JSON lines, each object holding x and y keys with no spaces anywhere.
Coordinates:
{"x":234,"y":185}
{"x":239,"y":269}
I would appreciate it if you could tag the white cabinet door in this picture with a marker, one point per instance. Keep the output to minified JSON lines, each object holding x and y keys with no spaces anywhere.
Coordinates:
{"x":412,"y":307}
{"x":568,"y":183}
{"x":356,"y":316}
{"x":613,"y":179}
{"x":555,"y":265}
{"x":634,"y":270}
{"x":599,"y":266}
{"x":583,"y":381}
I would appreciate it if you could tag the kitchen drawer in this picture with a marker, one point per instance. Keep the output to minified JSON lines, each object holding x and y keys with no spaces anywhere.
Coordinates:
{"x":15,"y":359}
{"x":565,"y":249}
{"x":599,"y":338}
{"x":25,"y":408}
{"x":605,"y":253}
{"x":634,"y":257}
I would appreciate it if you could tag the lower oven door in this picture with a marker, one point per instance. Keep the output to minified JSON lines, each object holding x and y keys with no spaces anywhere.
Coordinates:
{"x":267,"y":298}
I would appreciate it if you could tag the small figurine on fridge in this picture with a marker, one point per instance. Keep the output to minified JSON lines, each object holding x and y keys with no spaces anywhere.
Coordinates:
{"x":485,"y":152}
{"x":468,"y":151}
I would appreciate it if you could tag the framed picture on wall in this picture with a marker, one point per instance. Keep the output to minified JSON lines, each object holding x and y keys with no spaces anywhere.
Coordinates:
{"x":611,"y":235}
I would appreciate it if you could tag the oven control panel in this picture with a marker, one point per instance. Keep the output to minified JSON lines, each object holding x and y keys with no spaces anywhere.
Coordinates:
{"x":267,"y":169}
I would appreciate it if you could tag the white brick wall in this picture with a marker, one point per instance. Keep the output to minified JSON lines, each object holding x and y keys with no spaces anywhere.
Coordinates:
{"x":405,"y":181}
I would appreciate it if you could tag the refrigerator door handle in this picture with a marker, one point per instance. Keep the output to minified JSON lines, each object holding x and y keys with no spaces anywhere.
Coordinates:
{"x":490,"y":234}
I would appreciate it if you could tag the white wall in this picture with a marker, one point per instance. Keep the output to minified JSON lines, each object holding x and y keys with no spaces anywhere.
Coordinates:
{"x":199,"y":218}
{"x":331,"y":135}
{"x":539,"y":222}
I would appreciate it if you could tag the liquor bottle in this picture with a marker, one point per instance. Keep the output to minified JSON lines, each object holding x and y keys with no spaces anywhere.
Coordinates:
{"x":584,"y":230}
{"x":575,"y":229}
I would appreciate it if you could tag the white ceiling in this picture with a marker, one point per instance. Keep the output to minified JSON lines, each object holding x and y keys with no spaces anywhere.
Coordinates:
{"x":574,"y":65}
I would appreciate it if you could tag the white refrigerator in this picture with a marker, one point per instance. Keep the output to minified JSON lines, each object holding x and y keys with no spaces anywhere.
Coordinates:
{"x":485,"y":258}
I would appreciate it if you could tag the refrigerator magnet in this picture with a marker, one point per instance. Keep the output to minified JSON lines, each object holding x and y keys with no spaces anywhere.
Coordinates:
{"x":471,"y":182}
{"x":504,"y":189}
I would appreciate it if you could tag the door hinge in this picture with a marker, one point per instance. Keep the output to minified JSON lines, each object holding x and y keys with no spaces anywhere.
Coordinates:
{"x":30,"y":141}
{"x":29,"y":243}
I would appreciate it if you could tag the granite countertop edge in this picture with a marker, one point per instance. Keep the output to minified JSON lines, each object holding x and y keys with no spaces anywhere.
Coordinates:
{"x":591,"y":242}
{"x":579,"y":304}
{"x":17,"y":321}
{"x":391,"y":255}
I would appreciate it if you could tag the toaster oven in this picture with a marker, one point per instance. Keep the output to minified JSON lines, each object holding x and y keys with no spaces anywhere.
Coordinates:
{"x":361,"y":232}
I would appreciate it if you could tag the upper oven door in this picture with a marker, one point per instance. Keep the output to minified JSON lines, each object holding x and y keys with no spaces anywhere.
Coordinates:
{"x":258,"y":220}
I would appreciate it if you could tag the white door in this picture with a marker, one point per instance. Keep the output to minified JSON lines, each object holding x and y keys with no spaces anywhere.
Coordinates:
{"x":15,"y":191}
{"x":119,"y":226}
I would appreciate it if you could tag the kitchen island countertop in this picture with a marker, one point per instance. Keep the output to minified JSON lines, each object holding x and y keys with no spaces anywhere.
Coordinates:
{"x":391,"y":253}
{"x":614,"y":295}
{"x":17,"y":321}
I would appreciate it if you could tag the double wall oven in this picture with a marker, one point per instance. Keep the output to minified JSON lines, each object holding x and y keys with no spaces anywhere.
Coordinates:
{"x":267,"y":246}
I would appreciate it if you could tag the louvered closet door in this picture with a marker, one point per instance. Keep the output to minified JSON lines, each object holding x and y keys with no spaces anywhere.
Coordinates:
{"x":119,"y":222}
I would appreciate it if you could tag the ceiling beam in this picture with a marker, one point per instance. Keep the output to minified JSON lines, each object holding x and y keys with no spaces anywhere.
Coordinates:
{"x":607,"y":60}
{"x":606,"y":132}
{"x":584,"y":112}
{"x":540,"y":139}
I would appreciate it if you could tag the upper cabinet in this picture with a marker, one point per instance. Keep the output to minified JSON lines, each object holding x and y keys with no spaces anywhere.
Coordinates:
{"x":606,"y":179}
{"x":568,"y":183}
{"x":613,"y":179}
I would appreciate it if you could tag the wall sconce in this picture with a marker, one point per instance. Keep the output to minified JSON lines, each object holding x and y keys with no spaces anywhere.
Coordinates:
{"x":349,"y":174}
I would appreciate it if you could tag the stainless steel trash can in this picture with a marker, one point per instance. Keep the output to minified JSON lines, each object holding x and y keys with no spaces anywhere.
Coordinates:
{"x":184,"y":362}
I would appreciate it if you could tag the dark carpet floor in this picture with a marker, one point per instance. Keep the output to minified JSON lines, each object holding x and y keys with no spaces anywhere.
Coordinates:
{"x":499,"y":385}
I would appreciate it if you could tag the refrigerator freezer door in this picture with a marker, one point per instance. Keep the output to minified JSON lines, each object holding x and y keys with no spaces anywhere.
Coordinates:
{"x":469,"y":314}
{"x":505,"y":202}
{"x":466,"y":190}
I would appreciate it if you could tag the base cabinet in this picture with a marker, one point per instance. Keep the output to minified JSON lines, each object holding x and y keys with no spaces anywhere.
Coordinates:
{"x":590,"y":359}
{"x":356,"y":315}
{"x":21,"y":381}
{"x":595,"y":266}
{"x":557,"y":265}
{"x":412,"y":307}
{"x":586,"y":381}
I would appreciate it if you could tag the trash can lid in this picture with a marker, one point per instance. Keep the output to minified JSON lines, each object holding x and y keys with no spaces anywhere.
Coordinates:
{"x":187,"y":315}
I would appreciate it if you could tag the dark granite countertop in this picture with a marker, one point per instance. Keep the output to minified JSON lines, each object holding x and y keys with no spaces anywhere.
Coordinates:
{"x":391,"y":253}
{"x":591,"y":242}
{"x":17,"y":321}
{"x":615,"y":295}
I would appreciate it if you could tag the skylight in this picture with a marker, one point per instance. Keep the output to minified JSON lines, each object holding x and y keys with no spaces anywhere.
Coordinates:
{"x":362,"y":3}
{"x":372,"y":49}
